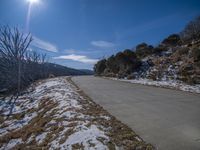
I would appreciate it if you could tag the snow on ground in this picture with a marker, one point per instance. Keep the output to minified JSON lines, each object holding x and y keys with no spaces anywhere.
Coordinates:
{"x":174,"y":84}
{"x":12,"y":143}
{"x":53,"y":114}
{"x":86,"y":136}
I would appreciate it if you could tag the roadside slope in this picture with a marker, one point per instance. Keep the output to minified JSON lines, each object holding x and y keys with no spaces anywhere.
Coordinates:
{"x":168,"y":119}
{"x":55,"y":114}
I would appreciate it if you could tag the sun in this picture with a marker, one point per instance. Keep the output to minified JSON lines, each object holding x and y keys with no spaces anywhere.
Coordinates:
{"x":33,"y":1}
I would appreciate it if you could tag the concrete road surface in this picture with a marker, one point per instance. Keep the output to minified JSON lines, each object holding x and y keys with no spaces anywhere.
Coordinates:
{"x":168,"y":119}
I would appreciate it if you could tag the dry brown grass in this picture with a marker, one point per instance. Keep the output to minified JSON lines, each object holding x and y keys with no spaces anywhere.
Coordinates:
{"x":77,"y":146}
{"x":35,"y":127}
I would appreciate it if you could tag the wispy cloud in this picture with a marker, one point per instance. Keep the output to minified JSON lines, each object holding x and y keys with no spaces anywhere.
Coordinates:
{"x":81,"y":52}
{"x":70,"y":51}
{"x":103,"y":44}
{"x":79,"y":58}
{"x":44,"y":45}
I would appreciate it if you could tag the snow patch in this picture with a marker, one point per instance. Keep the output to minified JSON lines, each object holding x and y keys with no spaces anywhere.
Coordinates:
{"x":41,"y":137}
{"x":165,"y":83}
{"x":85,"y":137}
{"x":12,"y":143}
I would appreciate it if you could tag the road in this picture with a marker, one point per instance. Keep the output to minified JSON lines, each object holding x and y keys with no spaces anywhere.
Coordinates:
{"x":168,"y":119}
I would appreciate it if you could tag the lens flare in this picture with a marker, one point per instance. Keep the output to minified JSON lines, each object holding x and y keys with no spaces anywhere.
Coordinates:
{"x":33,"y":1}
{"x":28,"y":18}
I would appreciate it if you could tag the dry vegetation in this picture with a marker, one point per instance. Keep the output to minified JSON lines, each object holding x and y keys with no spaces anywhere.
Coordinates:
{"x":60,"y":112}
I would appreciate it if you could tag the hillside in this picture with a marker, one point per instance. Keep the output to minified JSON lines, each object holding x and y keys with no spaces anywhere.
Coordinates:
{"x":175,"y":60}
{"x":59,"y":70}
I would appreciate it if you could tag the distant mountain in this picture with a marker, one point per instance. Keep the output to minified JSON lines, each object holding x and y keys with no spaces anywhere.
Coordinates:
{"x":88,"y":72}
{"x":59,"y":70}
{"x":34,"y":72}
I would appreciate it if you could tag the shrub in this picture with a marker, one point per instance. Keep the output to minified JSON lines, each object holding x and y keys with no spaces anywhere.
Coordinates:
{"x":196,"y":54}
{"x":172,"y":40}
{"x":111,"y":64}
{"x":183,"y":51}
{"x":159,"y":49}
{"x":100,"y":66}
{"x":127,"y":61}
{"x":143,"y":50}
{"x":122,"y":64}
{"x":129,"y":54}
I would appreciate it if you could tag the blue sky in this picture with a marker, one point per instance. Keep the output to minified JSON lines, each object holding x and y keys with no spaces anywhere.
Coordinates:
{"x":76,"y":33}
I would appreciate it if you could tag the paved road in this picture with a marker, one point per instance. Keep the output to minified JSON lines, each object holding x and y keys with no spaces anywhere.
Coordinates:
{"x":168,"y":119}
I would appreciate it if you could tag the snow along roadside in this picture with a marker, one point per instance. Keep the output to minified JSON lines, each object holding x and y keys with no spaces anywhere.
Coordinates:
{"x":55,"y":113}
{"x":173,"y":84}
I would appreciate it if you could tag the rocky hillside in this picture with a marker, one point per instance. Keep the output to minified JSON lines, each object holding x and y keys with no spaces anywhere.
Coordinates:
{"x":176,"y":58}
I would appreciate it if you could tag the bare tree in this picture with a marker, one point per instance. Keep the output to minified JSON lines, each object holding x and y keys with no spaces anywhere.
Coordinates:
{"x":13,"y":46}
{"x":192,"y":30}
{"x":19,"y":66}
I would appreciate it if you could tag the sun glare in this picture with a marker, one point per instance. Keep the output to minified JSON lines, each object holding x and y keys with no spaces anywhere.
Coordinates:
{"x":33,"y":1}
